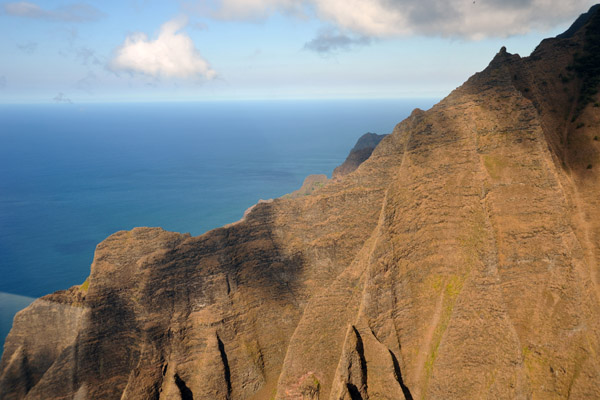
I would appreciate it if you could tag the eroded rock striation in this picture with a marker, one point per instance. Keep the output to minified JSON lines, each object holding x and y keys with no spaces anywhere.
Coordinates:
{"x":461,"y":260}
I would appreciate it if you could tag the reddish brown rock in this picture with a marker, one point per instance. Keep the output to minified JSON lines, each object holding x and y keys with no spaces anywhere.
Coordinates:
{"x":461,"y":260}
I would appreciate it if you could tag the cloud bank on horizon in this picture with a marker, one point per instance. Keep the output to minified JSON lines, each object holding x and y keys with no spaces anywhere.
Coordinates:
{"x":468,"y":19}
{"x":172,"y":54}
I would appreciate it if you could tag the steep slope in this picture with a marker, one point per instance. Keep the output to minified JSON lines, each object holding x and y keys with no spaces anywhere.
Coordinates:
{"x":459,"y":261}
{"x":361,"y":151}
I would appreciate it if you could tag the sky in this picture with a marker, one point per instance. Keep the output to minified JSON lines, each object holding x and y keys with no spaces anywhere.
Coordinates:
{"x":196,"y":50}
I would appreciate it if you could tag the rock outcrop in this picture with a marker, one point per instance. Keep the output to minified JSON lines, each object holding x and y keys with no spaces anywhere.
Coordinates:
{"x":311,"y":183}
{"x":461,"y":260}
{"x":361,"y":151}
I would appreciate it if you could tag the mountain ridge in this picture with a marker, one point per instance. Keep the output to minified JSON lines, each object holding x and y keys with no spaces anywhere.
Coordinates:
{"x":460,"y":260}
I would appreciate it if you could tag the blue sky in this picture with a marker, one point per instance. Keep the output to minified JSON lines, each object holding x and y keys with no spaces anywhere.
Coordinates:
{"x":146,"y":50}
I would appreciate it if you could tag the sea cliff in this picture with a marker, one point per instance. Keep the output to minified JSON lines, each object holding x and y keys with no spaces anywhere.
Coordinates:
{"x":460,"y":260}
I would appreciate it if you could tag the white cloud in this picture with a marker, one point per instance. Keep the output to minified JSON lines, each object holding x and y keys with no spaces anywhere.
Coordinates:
{"x":78,"y":12}
{"x":384,"y":18}
{"x":172,"y":54}
{"x":372,"y":18}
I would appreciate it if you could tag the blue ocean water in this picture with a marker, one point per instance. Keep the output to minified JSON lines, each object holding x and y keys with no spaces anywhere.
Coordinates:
{"x":70,"y":175}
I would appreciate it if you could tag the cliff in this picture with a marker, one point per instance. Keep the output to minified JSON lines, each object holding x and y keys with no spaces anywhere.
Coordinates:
{"x":460,"y":260}
{"x":360,"y":153}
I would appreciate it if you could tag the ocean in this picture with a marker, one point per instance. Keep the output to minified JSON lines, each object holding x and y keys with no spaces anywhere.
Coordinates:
{"x":72,"y":174}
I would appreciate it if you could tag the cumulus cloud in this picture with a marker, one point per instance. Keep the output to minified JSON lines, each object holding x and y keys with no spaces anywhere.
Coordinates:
{"x":172,"y":54}
{"x":77,"y":12}
{"x":385,"y":18}
{"x":62,"y":98}
{"x":330,"y":41}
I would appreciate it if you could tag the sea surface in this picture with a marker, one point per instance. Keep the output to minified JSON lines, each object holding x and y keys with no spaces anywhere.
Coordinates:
{"x":72,"y":174}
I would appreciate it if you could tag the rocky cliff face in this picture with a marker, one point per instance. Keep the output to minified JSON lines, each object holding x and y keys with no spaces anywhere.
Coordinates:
{"x":461,"y":260}
{"x":359,"y":154}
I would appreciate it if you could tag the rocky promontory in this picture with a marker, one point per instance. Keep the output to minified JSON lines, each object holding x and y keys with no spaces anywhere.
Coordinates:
{"x":361,"y":151}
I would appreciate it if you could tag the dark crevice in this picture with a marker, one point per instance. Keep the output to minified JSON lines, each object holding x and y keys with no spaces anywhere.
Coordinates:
{"x":405,"y":389}
{"x":76,"y":354}
{"x":30,"y":382}
{"x":154,"y":390}
{"x":225,"y":365}
{"x":354,"y":392}
{"x":363,"y":363}
{"x":186,"y":393}
{"x":228,"y":284}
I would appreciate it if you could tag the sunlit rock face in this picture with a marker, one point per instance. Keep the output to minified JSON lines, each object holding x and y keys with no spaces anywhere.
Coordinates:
{"x":460,"y":260}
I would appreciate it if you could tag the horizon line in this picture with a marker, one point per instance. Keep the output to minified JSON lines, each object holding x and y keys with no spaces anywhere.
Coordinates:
{"x":219,"y":100}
